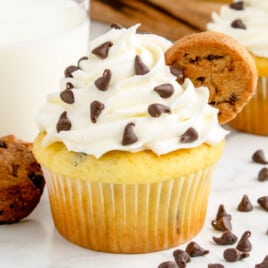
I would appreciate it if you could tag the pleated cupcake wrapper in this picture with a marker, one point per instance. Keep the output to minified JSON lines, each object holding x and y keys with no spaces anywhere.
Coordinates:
{"x":129,"y":218}
{"x":254,"y":117}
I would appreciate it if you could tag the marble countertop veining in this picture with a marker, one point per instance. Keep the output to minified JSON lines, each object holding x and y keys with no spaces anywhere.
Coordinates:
{"x":34,"y":242}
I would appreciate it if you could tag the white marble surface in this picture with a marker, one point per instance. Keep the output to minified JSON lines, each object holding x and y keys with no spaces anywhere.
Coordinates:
{"x":34,"y":242}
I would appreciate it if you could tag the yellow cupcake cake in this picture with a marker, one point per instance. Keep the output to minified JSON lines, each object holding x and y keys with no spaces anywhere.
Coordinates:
{"x":127,"y":151}
{"x":247,"y":22}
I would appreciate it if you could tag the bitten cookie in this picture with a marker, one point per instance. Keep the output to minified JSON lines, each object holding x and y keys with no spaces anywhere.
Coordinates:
{"x":21,"y":180}
{"x":219,"y":62}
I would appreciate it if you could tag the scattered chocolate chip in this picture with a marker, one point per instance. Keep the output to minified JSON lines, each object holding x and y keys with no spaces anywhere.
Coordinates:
{"x":168,"y":264}
{"x":194,"y":250}
{"x":259,"y":157}
{"x":244,"y":244}
{"x":239,"y":24}
{"x":189,"y":135}
{"x":178,"y":73}
{"x":263,"y":202}
{"x":3,"y":144}
{"x":164,"y":90}
{"x":81,"y":59}
{"x":156,"y":109}
{"x":232,"y":255}
{"x":181,"y":257}
{"x":102,"y":83}
{"x":227,"y":238}
{"x":239,"y":5}
{"x":116,"y":26}
{"x":263,"y":264}
{"x":129,"y":136}
{"x":221,"y":212}
{"x":223,"y":224}
{"x":263,"y":174}
{"x":67,"y":96}
{"x":63,"y":122}
{"x":245,"y":204}
{"x":140,"y":67}
{"x":69,"y":70}
{"x":215,"y":265}
{"x":37,"y":179}
{"x":96,"y":108}
{"x":102,"y":50}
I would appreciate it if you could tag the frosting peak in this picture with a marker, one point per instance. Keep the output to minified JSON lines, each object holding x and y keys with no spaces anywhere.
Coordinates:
{"x":123,"y":96}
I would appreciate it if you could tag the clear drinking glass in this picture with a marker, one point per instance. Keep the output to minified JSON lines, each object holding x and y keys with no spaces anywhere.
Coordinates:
{"x":38,"y":40}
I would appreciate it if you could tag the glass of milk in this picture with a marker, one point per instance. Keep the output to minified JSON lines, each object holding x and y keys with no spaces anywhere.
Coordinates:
{"x":38,"y":40}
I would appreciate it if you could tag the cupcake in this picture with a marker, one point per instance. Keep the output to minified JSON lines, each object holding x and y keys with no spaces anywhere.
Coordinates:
{"x":247,"y":22}
{"x":127,"y":151}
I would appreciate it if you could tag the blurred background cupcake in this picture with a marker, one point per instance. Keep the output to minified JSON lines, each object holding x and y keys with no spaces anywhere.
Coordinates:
{"x":247,"y":22}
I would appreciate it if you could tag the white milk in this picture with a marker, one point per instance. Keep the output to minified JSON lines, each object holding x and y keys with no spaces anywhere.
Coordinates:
{"x":38,"y":40}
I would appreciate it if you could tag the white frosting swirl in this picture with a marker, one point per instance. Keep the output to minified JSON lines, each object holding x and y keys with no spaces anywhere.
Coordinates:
{"x":127,"y":100}
{"x":255,"y":17}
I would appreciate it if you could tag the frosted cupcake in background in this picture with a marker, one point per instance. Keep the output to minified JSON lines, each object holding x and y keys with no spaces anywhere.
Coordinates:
{"x":247,"y":22}
{"x":127,"y":151}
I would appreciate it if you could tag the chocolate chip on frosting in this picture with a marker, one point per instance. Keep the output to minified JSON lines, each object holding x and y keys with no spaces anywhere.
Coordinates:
{"x":102,"y":50}
{"x":263,"y":264}
{"x":69,"y":85}
{"x":164,"y":90}
{"x":156,"y":109}
{"x":96,"y":108}
{"x":233,"y":255}
{"x":259,"y":157}
{"x":178,"y":73}
{"x":263,"y":202}
{"x":129,"y":136}
{"x":181,"y":257}
{"x":81,"y":59}
{"x":244,"y":244}
{"x":189,"y":135}
{"x":245,"y":204}
{"x":140,"y":67}
{"x":263,"y":174}
{"x":63,"y":123}
{"x":102,"y":83}
{"x":239,"y":24}
{"x":116,"y":26}
{"x":69,"y":70}
{"x":239,"y":5}
{"x":194,"y":250}
{"x":67,"y":96}
{"x":227,"y":238}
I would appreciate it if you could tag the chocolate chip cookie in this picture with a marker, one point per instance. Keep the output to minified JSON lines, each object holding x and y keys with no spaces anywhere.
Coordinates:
{"x":21,"y":180}
{"x":219,"y":62}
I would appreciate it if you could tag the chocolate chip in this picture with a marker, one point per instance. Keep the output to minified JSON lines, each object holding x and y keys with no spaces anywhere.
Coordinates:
{"x":165,"y":90}
{"x":215,"y":265}
{"x":67,"y":96}
{"x":37,"y":179}
{"x":116,"y":26}
{"x":263,"y":264}
{"x":237,"y":5}
{"x":63,"y":122}
{"x":69,"y":85}
{"x":1,"y":212}
{"x":263,"y":174}
{"x":263,"y":202}
{"x":102,"y":50}
{"x":129,"y":136}
{"x":3,"y":144}
{"x":167,"y":264}
{"x":156,"y":109}
{"x":221,"y":212}
{"x":232,"y":255}
{"x":244,"y":244}
{"x":181,"y":258}
{"x":239,"y":24}
{"x":81,"y":59}
{"x":227,"y":238}
{"x":245,"y":204}
{"x":102,"y":83}
{"x":189,"y":135}
{"x":194,"y":250}
{"x":69,"y":70}
{"x":259,"y":157}
{"x":96,"y":108}
{"x":178,"y":73}
{"x":223,"y":224}
{"x":140,"y":67}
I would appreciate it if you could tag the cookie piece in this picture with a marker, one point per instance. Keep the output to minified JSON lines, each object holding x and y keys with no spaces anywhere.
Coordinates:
{"x":219,"y":62}
{"x":21,"y":180}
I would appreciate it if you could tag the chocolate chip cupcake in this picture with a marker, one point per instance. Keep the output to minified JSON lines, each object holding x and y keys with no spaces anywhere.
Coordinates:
{"x":127,"y":151}
{"x":247,"y":22}
{"x":21,"y":180}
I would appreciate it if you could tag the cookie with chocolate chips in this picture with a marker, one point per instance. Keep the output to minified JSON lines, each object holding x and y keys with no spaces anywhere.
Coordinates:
{"x":21,"y":180}
{"x":219,"y":62}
